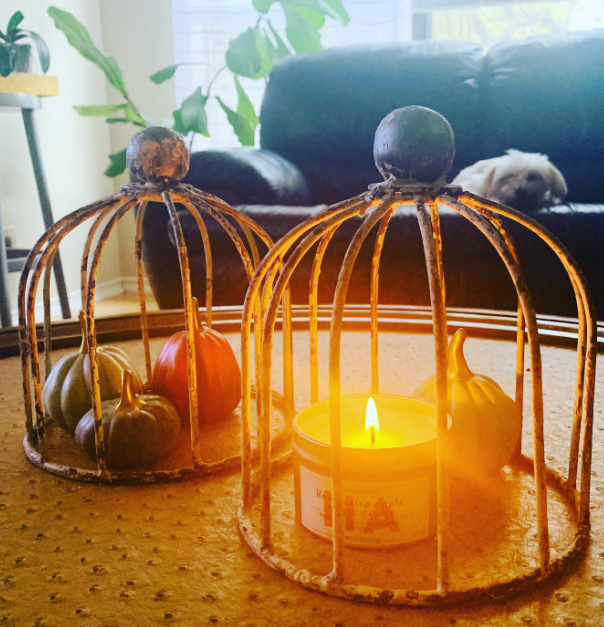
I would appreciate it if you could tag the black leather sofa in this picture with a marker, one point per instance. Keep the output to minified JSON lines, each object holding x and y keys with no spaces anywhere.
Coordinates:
{"x":320,"y":111}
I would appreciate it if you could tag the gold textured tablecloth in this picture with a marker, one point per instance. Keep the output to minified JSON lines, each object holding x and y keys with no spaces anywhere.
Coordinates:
{"x":86,"y":555}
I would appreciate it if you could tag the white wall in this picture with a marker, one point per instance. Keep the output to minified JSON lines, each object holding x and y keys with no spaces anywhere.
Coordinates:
{"x":73,"y":148}
{"x":138,"y":34}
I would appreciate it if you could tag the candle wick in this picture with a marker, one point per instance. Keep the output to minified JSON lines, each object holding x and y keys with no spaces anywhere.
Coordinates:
{"x":372,"y":432}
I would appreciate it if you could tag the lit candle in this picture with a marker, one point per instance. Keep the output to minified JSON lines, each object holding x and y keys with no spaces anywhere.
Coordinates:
{"x":388,"y":461}
{"x":372,"y":422}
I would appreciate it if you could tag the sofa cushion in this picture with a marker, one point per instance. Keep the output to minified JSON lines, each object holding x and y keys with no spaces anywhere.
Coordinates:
{"x":475,"y":275}
{"x":321,"y":109}
{"x":546,"y":94}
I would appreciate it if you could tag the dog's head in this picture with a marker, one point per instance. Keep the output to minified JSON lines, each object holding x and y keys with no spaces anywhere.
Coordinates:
{"x":525,"y":181}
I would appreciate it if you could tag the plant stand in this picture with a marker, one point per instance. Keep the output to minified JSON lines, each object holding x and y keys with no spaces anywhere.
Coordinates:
{"x":28,"y":103}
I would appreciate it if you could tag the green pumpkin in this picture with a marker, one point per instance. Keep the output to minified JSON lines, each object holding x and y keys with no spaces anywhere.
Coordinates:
{"x":486,"y":423}
{"x":137,"y":429}
{"x":67,"y":395}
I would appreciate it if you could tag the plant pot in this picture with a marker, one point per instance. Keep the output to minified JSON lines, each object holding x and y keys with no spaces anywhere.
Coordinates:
{"x":22,"y":59}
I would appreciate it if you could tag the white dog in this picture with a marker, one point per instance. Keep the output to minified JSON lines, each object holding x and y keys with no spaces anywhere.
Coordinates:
{"x":521,"y":180}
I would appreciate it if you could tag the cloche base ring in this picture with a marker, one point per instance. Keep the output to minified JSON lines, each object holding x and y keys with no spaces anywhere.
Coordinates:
{"x":177,"y":471}
{"x":497,"y":590}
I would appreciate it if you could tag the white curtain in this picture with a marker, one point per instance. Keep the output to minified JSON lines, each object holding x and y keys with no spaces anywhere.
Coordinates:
{"x":203,"y":28}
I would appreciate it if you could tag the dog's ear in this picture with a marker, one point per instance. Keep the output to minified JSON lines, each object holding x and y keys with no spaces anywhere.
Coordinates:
{"x":487,"y":188}
{"x":559,"y":188}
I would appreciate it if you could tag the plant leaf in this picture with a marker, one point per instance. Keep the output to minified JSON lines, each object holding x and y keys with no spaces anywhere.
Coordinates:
{"x":14,"y":21}
{"x":244,"y":104}
{"x":332,"y":8}
{"x":242,"y":126}
{"x":178,"y":126}
{"x":130,"y":113}
{"x":42,"y":48}
{"x":118,"y":164}
{"x":320,"y":6}
{"x":6,"y":64}
{"x":282,"y":50}
{"x":338,"y":8}
{"x":242,"y":56}
{"x":302,"y":35}
{"x":316,"y":18}
{"x":166,"y":74}
{"x":262,"y":6}
{"x":120,"y":121}
{"x":272,"y":50}
{"x":99,"y":111}
{"x":193,"y":115}
{"x":264,"y":52}
{"x":124,"y":121}
{"x":79,"y":38}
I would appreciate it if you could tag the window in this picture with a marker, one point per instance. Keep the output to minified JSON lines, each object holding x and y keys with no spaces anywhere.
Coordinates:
{"x":492,"y":21}
{"x":203,"y":28}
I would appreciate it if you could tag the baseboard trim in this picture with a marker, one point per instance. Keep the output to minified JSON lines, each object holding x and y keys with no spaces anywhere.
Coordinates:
{"x":105,"y":290}
{"x":130,"y":285}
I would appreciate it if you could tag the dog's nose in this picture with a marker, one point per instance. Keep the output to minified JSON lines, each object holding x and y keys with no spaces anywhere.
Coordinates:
{"x":524,"y":199}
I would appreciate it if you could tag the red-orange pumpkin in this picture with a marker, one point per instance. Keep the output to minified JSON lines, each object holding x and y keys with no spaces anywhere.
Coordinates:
{"x":218,"y":374}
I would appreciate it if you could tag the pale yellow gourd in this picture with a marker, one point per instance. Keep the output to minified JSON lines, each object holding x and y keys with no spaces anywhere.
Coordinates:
{"x":67,"y":393}
{"x":485,"y":422}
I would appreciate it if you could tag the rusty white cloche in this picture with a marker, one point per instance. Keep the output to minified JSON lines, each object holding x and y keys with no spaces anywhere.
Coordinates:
{"x":158,"y":159}
{"x":414,"y":149}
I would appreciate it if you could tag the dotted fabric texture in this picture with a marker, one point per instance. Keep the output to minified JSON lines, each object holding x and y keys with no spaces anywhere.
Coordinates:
{"x":104,"y":556}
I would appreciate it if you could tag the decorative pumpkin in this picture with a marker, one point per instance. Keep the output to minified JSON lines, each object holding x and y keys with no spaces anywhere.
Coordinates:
{"x":218,"y":374}
{"x":137,"y":429}
{"x":67,"y":395}
{"x":485,"y":422}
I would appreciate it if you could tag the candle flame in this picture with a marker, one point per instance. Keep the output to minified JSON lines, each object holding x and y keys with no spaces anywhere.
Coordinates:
{"x":371,"y":416}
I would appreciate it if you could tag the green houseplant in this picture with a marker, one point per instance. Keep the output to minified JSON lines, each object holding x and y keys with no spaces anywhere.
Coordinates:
{"x":250,"y":55}
{"x":16,"y":51}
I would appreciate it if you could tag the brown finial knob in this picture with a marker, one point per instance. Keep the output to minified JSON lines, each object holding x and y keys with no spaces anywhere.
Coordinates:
{"x":414,"y":144}
{"x":157,"y":155}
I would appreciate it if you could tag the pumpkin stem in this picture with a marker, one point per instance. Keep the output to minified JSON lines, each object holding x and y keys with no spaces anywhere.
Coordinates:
{"x":458,"y":367}
{"x":84,"y":327}
{"x":129,"y":401}
{"x":196,"y":316}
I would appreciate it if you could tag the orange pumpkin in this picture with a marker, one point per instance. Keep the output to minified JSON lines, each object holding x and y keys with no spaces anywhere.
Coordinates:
{"x":218,"y":374}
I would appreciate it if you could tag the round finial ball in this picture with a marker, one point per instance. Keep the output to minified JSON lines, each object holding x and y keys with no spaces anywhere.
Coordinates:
{"x":157,"y":155}
{"x":414,"y":144}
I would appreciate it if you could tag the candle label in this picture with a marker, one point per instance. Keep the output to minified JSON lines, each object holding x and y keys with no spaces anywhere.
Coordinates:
{"x":375,"y":515}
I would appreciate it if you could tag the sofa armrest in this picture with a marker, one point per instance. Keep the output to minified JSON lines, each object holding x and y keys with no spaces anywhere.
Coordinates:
{"x":249,"y":176}
{"x":239,"y":176}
